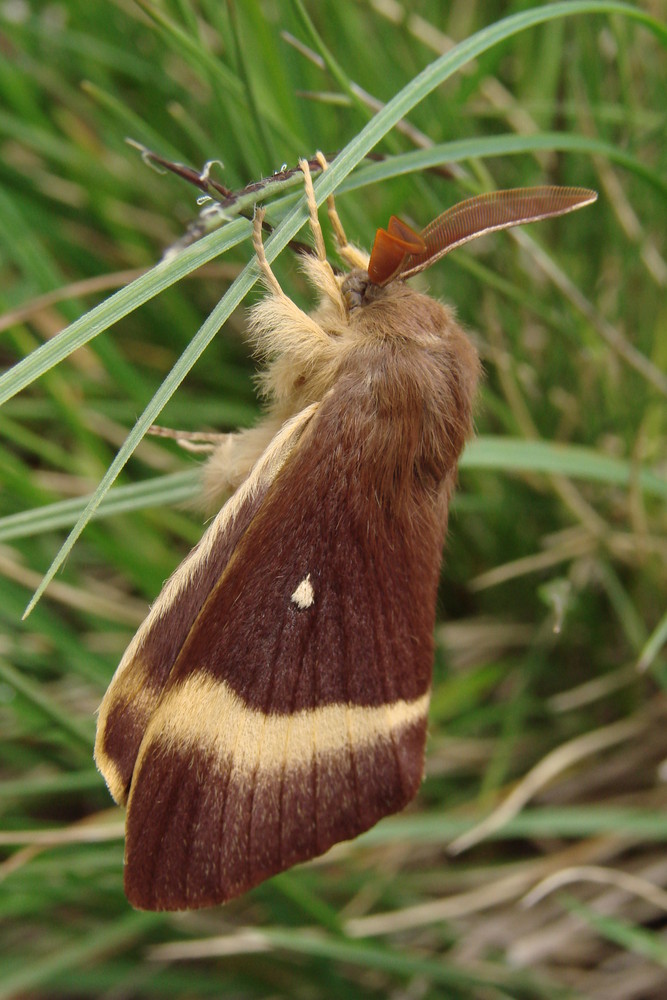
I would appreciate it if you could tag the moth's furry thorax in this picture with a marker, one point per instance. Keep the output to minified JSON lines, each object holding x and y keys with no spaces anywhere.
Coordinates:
{"x":412,"y":363}
{"x":413,"y":370}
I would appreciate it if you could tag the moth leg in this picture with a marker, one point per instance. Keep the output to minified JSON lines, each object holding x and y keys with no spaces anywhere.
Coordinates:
{"x":254,"y":456}
{"x":194,"y":441}
{"x":334,"y":218}
{"x":277,"y":326}
{"x":319,"y":270}
{"x":353,"y":256}
{"x":320,"y":248}
{"x":269,"y":277}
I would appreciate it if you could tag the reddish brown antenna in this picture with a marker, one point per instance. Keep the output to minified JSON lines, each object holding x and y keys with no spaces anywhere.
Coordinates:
{"x":399,"y":252}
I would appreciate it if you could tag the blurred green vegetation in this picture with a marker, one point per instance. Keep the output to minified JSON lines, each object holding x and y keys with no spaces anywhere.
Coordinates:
{"x":554,"y":585}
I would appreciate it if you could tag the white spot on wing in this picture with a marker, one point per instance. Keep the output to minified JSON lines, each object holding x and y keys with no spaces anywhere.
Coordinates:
{"x":304,"y":595}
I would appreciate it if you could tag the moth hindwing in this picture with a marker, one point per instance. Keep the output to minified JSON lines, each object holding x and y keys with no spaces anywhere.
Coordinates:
{"x":275,"y":699}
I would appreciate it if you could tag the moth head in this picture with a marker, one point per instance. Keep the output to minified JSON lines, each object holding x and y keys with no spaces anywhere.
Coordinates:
{"x":400,"y":252}
{"x":366,"y":300}
{"x":358,"y":290}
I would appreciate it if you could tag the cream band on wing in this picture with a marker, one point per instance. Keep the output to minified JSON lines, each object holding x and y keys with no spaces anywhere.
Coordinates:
{"x":206,"y":713}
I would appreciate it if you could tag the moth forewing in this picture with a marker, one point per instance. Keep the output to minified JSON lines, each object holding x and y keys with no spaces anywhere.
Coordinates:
{"x":137,"y":686}
{"x":275,"y":700}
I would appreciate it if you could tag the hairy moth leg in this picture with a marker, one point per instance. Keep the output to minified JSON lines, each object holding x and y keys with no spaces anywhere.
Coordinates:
{"x":280,"y":329}
{"x":318,"y":269}
{"x":232,"y":455}
{"x":315,"y":226}
{"x":277,"y":325}
{"x":353,"y":256}
{"x":195,"y":441}
{"x":294,"y":340}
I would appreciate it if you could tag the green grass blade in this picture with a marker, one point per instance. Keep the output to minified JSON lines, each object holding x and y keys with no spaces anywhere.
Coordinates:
{"x":118,"y":305}
{"x":515,"y":455}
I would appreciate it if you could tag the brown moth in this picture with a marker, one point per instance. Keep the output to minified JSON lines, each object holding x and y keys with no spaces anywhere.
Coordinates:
{"x":275,"y":699}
